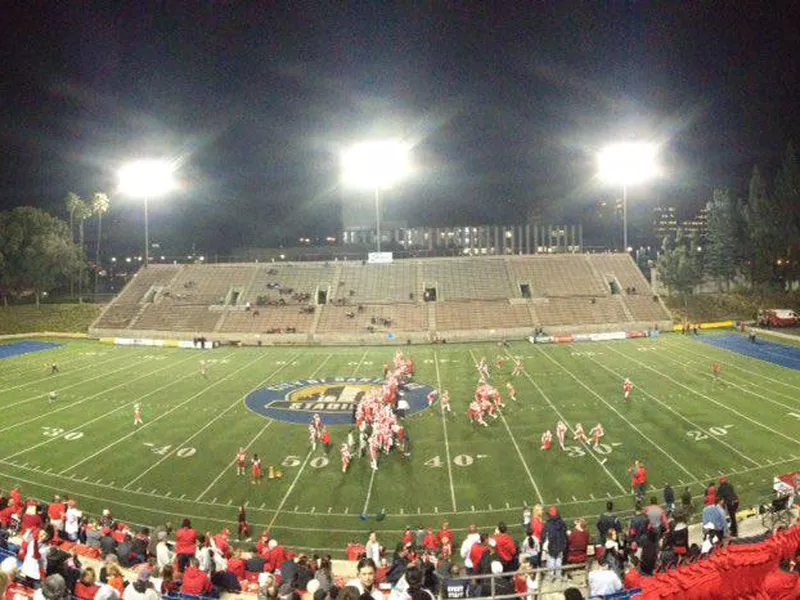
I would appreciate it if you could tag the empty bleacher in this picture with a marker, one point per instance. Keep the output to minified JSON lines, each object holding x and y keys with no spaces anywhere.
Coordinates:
{"x":267,"y":319}
{"x":207,"y":284}
{"x":580,"y":311}
{"x":498,"y":314}
{"x":467,"y":279}
{"x":558,"y":275}
{"x":622,"y":268}
{"x":172,"y":316}
{"x":403,"y":316}
{"x":378,"y":283}
{"x":120,"y":313}
{"x":645,"y":308}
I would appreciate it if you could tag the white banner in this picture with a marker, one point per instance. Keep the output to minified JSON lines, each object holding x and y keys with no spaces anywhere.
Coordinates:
{"x":379,"y":257}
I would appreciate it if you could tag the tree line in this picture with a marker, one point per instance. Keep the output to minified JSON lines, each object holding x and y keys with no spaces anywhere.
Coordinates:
{"x":39,"y":252}
{"x":754,"y":240}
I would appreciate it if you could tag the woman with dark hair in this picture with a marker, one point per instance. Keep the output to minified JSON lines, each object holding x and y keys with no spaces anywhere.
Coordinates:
{"x":185,"y":544}
{"x":324,"y":574}
{"x":365,"y":580}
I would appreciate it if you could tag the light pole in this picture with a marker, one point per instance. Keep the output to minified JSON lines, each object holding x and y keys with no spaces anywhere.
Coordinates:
{"x":625,"y":164}
{"x":376,"y":166}
{"x":146,"y":179}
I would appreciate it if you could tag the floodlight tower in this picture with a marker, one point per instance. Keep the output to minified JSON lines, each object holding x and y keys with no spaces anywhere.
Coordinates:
{"x":376,"y":166}
{"x":146,"y":179}
{"x":626,"y":164}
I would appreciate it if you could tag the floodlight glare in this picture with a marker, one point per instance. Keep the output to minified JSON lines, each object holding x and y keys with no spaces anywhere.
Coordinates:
{"x":627,"y":164}
{"x":146,"y":179}
{"x":376,"y":166}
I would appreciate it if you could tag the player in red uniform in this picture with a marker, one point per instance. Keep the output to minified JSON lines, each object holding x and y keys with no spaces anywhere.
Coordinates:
{"x":547,"y":440}
{"x":346,"y":456}
{"x":241,"y":462}
{"x":597,"y":432}
{"x":627,"y":389}
{"x":561,"y":432}
{"x":716,"y":369}
{"x":475,"y":413}
{"x":257,"y":474}
{"x":325,"y":438}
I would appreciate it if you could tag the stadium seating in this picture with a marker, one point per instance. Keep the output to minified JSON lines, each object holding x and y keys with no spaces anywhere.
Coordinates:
{"x":512,"y":294}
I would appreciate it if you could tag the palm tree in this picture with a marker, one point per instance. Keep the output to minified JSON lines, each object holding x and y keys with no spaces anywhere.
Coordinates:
{"x":82,"y":212}
{"x":72,"y":201}
{"x":100,"y":204}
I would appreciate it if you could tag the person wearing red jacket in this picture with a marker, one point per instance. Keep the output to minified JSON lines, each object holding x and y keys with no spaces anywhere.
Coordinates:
{"x":711,"y":495}
{"x":237,"y":565}
{"x":221,"y":540}
{"x":277,"y":556}
{"x":446,"y":533}
{"x":408,"y":538}
{"x":31,"y":519}
{"x":506,"y":548}
{"x":56,"y":512}
{"x":195,"y":582}
{"x":431,"y":542}
{"x":185,"y":544}
{"x":477,"y":551}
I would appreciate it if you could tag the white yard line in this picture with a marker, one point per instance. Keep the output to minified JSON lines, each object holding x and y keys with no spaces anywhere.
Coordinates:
{"x":55,"y":380}
{"x":561,"y":417}
{"x":641,"y":390}
{"x":63,"y":407}
{"x":212,"y":421}
{"x":253,"y":441}
{"x":369,"y":491}
{"x":444,"y":426}
{"x":619,"y":414}
{"x":516,"y":446}
{"x":738,"y":368}
{"x":709,"y":398}
{"x":727,"y":381}
{"x":29,"y":370}
{"x":136,"y":430}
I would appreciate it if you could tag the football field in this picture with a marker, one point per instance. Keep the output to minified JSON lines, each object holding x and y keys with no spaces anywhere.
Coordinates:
{"x":686,"y":426}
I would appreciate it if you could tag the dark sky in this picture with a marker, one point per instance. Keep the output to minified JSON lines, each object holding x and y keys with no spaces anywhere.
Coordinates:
{"x":506,"y":103}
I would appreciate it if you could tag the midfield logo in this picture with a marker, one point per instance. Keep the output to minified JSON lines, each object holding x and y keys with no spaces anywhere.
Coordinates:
{"x":334,"y":398}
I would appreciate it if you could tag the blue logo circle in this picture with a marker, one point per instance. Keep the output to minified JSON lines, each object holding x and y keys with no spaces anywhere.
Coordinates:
{"x":334,"y":398}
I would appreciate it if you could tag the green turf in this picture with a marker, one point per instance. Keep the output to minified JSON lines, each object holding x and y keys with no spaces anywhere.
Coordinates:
{"x":688,"y":429}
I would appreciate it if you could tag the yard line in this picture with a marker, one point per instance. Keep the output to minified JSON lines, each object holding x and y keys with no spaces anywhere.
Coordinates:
{"x":68,"y":406}
{"x":584,"y":444}
{"x":156,"y":419}
{"x":291,"y":487}
{"x":92,"y":366}
{"x":369,"y":492}
{"x":728,"y":382}
{"x":29,"y":370}
{"x":444,"y":426}
{"x":709,"y":398}
{"x":620,"y":415}
{"x":514,"y":441}
{"x":67,"y":387}
{"x":748,"y":371}
{"x":672,"y":410}
{"x":104,"y":415}
{"x":212,"y":421}
{"x":253,"y":441}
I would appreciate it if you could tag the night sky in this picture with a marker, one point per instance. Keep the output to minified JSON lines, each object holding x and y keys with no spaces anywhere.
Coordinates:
{"x":506,"y":104}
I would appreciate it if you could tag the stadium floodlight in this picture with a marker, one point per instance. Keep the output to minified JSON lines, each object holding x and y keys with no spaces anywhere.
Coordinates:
{"x":627,"y":164}
{"x":376,"y":166}
{"x":147,"y":179}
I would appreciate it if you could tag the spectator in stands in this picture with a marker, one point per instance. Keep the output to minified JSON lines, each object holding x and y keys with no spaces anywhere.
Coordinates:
{"x":87,"y":587}
{"x":195,"y":581}
{"x":572,"y":593}
{"x":277,"y":556}
{"x":365,"y":580}
{"x":168,"y":583}
{"x":372,"y":548}
{"x":714,"y":515}
{"x":687,"y":505}
{"x":53,"y":588}
{"x":529,"y":551}
{"x":108,"y":545}
{"x":578,"y":543}
{"x":669,"y":500}
{"x":114,"y":577}
{"x":603,"y":580}
{"x":399,"y":562}
{"x":555,"y":538}
{"x":266,"y":587}
{"x":731,"y":500}
{"x":139,"y":545}
{"x":608,"y":520}
{"x":164,"y":556}
{"x":324,"y":574}
{"x":124,"y":551}
{"x":72,"y":521}
{"x":656,"y":516}
{"x":93,"y":534}
{"x":710,"y":498}
{"x":185,"y":544}
{"x":782,"y":582}
{"x":537,"y":522}
{"x":454,"y":587}
{"x":650,"y":551}
{"x":56,"y":512}
{"x":141,"y":588}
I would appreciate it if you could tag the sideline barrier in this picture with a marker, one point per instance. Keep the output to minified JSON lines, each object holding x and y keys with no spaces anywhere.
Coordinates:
{"x":589,"y":337}
{"x":152,"y":342}
{"x":713,"y":325}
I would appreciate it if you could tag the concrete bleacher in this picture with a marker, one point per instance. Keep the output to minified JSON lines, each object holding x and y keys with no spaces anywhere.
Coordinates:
{"x":404,"y":317}
{"x":498,"y":314}
{"x":475,"y":296}
{"x":378,"y":283}
{"x":467,"y":278}
{"x":558,"y":275}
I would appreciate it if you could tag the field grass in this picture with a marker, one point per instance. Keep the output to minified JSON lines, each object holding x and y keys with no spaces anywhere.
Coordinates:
{"x":687,"y":428}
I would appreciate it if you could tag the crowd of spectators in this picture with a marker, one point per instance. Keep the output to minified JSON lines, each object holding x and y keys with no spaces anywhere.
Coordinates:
{"x":54,"y":550}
